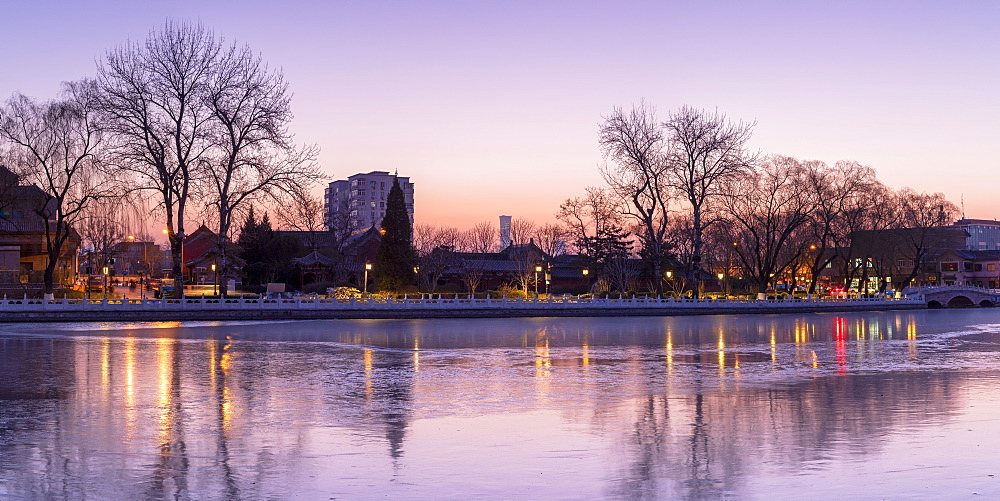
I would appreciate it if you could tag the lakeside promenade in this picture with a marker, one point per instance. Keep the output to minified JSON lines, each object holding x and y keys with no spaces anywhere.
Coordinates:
{"x":427,"y":306}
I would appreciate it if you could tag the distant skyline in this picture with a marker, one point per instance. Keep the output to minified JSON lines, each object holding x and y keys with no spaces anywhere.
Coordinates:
{"x":493,"y":107}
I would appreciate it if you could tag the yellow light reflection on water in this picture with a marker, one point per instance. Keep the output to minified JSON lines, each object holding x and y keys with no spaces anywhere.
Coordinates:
{"x":228,"y":401}
{"x":213,"y":366}
{"x":670,"y":352}
{"x":368,"y":373}
{"x":774,"y":349}
{"x":585,"y":356}
{"x":543,"y":359}
{"x":543,"y":363}
{"x":130,"y":407}
{"x":105,"y":367}
{"x":874,"y":331}
{"x":164,"y":367}
{"x":416,"y":354}
{"x":911,"y":336}
{"x":721,"y":345}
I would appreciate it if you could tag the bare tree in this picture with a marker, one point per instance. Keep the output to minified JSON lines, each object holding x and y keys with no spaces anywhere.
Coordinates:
{"x":300,"y":210}
{"x":767,"y":208}
{"x":705,"y":150}
{"x":482,"y":238}
{"x":551,"y":238}
{"x":55,"y":144}
{"x":435,"y":248}
{"x":522,"y":231}
{"x":585,"y":217}
{"x":923,"y":214}
{"x":621,"y":273}
{"x":339,"y":220}
{"x":633,"y":143}
{"x":837,"y":192}
{"x":155,"y":98}
{"x":101,"y":228}
{"x":252,"y":154}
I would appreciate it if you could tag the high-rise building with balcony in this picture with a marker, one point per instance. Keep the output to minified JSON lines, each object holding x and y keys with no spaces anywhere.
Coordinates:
{"x":359,"y":201}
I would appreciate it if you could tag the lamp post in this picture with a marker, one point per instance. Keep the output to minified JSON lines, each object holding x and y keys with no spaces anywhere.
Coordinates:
{"x":368,"y":267}
{"x":215,"y":285}
{"x":586,"y":278}
{"x":729,"y":268}
{"x":538,"y":269}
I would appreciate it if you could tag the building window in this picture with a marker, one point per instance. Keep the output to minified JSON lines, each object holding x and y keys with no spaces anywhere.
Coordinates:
{"x":978,"y":267}
{"x":966,"y":266}
{"x":991,"y":267}
{"x":949,"y":266}
{"x":381,"y":205}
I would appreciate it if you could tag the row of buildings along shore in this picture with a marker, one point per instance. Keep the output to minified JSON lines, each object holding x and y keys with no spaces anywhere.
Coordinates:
{"x":964,"y":253}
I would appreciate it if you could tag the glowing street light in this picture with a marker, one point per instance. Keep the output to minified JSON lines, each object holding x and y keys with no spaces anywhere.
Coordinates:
{"x":538,"y":269}
{"x":215,"y":287}
{"x":368,"y":267}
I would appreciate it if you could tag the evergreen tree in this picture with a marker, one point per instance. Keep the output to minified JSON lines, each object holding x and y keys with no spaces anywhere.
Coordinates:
{"x":255,"y":240}
{"x":395,"y":257}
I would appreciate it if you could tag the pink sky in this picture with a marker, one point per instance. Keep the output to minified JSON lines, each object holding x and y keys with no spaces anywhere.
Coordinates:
{"x":493,"y":108}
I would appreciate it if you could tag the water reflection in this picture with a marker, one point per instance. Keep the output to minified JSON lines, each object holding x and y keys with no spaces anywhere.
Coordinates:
{"x":697,"y":407}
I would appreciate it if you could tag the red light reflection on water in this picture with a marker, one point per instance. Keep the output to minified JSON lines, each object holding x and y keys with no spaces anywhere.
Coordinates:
{"x":840,"y":343}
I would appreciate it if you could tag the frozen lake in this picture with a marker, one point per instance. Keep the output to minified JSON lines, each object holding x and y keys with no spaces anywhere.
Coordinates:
{"x":856,"y":405}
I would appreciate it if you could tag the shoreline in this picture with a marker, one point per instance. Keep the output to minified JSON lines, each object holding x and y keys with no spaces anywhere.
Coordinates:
{"x":389,"y":311}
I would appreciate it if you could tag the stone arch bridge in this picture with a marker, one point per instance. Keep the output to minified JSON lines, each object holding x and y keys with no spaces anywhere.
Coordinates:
{"x":954,"y":296}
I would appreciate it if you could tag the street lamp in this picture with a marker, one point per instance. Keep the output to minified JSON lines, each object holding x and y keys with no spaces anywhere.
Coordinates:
{"x":215,"y":287}
{"x":105,"y":288}
{"x":368,"y":267}
{"x":538,"y":269}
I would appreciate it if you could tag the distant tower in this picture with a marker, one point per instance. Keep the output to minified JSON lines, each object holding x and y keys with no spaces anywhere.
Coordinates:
{"x":504,"y":232}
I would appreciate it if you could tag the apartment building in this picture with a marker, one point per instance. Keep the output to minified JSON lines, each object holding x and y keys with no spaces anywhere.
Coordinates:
{"x":359,"y":201}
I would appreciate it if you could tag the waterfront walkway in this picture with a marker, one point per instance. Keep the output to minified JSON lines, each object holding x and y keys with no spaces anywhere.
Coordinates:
{"x":427,"y":306}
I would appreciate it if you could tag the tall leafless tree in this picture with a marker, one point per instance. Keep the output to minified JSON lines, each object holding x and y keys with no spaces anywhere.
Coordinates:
{"x":482,"y":238}
{"x":300,"y":210}
{"x":633,"y":143}
{"x":102,"y":228}
{"x":55,"y":145}
{"x":767,"y":209}
{"x":594,"y":213}
{"x":837,"y":191}
{"x":252,"y":154}
{"x":551,"y":238}
{"x":155,"y":99}
{"x":522,"y":231}
{"x":435,"y":246}
{"x":923,"y":214}
{"x":705,"y":150}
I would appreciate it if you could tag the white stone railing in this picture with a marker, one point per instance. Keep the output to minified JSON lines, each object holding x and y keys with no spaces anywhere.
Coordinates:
{"x":423,"y":303}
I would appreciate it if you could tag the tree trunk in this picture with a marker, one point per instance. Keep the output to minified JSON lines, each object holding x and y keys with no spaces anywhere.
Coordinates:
{"x":696,"y":253}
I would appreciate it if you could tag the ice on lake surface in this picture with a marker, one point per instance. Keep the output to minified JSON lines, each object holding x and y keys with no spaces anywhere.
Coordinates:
{"x":814,"y":406}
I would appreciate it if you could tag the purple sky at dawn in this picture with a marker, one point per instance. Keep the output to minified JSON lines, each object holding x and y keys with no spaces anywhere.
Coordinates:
{"x":493,"y":107}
